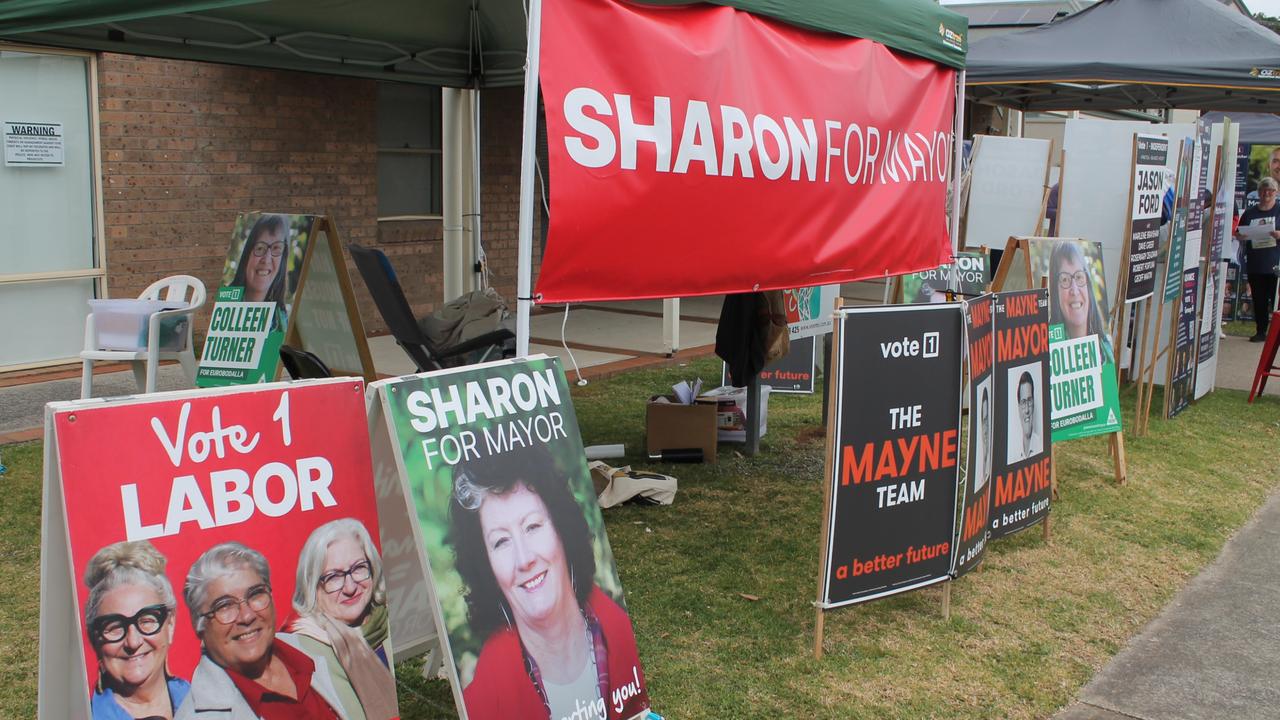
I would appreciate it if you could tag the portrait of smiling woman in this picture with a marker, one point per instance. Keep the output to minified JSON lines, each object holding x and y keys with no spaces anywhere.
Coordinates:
{"x":554,"y":641}
{"x":129,"y":616}
{"x":247,"y":670}
{"x":263,"y":267}
{"x":1074,"y":295}
{"x":340,"y":614}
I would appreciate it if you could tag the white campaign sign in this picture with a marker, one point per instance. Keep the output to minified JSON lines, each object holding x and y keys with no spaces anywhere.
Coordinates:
{"x":1006,"y":189}
{"x":1213,"y":280}
{"x":1093,"y":200}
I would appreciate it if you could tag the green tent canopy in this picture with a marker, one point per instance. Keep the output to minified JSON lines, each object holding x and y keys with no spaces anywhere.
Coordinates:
{"x":442,"y":42}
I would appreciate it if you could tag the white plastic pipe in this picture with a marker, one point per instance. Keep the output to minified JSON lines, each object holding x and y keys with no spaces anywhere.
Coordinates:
{"x":455,"y":150}
{"x":524,"y":269}
{"x":958,"y":141}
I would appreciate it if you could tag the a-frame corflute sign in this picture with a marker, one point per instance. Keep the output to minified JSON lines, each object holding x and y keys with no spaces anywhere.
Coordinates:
{"x":284,"y":282}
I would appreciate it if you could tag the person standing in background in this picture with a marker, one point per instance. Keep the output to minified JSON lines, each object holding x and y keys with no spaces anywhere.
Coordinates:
{"x":1261,"y":257}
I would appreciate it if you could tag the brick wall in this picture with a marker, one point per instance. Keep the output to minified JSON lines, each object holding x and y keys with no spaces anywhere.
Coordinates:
{"x":500,"y":130}
{"x":187,"y":146}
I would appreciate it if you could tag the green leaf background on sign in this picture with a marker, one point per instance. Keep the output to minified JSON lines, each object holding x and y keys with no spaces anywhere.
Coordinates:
{"x":431,"y":488}
{"x":299,"y":235}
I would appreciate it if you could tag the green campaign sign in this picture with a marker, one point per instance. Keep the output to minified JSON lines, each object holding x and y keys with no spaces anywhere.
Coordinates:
{"x":243,"y":345}
{"x":1084,"y":397}
{"x":251,"y":313}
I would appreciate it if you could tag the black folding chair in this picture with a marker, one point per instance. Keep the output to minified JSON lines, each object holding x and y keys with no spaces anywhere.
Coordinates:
{"x":381,"y":280}
{"x":303,"y":365}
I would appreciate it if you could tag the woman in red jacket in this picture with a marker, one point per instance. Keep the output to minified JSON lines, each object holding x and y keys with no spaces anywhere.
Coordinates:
{"x":556,"y":645}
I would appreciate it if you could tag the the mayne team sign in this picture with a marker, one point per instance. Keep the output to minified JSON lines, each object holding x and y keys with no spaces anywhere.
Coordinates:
{"x":1020,"y":496}
{"x":1150,"y":155}
{"x":976,"y":505}
{"x":730,"y":141}
{"x":896,"y":457}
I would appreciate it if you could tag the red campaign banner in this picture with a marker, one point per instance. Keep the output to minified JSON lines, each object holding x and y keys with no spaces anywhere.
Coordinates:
{"x":701,"y":150}
{"x":157,"y":484}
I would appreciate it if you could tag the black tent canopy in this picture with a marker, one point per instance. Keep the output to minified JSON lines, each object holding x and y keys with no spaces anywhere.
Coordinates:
{"x":1255,"y":128}
{"x":1123,"y":54}
{"x":455,"y":43}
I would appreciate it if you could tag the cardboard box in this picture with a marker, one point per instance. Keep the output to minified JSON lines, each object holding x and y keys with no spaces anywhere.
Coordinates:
{"x":731,"y":411}
{"x":123,"y":324}
{"x":672,"y":426}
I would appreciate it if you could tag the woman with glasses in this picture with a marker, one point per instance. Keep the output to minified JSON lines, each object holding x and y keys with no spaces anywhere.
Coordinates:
{"x":263,"y":267}
{"x":340,"y":614}
{"x":1259,"y":261}
{"x":129,"y":616}
{"x":247,"y":670}
{"x":1072,"y":301}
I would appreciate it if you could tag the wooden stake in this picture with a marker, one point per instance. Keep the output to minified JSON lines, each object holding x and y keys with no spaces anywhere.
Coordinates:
{"x":1121,"y":307}
{"x":1118,"y":443}
{"x":833,"y":364}
{"x":1006,"y":263}
{"x":946,"y":600}
{"x":817,"y":632}
{"x":1053,"y":470}
{"x":1045,"y":522}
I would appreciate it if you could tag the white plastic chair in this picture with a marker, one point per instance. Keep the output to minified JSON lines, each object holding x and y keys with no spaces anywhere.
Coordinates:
{"x":146,"y":362}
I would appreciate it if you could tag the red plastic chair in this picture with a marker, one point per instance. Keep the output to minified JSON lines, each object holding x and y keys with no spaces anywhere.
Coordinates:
{"x":1266,"y":363}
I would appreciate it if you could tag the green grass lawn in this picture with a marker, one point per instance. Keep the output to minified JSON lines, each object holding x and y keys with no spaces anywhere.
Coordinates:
{"x":720,"y":585}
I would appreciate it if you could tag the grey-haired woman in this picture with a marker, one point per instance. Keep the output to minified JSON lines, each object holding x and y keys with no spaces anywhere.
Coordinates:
{"x":340,"y":614}
{"x":129,"y":618}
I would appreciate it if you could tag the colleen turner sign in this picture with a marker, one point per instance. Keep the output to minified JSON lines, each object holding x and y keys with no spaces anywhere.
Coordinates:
{"x":976,"y":505}
{"x":527,"y":594}
{"x":727,"y":161}
{"x":228,"y":567}
{"x":896,"y":457}
{"x":1021,"y":380}
{"x":251,"y":314}
{"x":1083,"y":394}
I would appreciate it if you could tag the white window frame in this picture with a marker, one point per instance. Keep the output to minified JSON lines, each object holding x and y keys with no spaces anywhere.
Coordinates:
{"x":419,"y":152}
{"x":98,"y":273}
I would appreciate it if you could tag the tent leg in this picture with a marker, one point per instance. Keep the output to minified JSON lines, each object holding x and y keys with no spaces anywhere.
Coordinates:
{"x":524,"y":281}
{"x":958,"y":143}
{"x":753,"y":416}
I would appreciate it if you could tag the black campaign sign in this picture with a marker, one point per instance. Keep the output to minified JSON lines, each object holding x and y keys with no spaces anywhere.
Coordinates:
{"x":1149,"y":155}
{"x":1182,"y":371}
{"x":791,"y":373}
{"x":971,"y":538}
{"x":895,"y":463}
{"x":1020,"y":493}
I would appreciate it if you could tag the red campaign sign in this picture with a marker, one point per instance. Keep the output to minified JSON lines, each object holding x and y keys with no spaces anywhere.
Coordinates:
{"x":264,"y":468}
{"x":701,"y":150}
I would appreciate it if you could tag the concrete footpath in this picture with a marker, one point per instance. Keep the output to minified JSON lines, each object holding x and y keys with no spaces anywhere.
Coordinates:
{"x":1214,"y":650}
